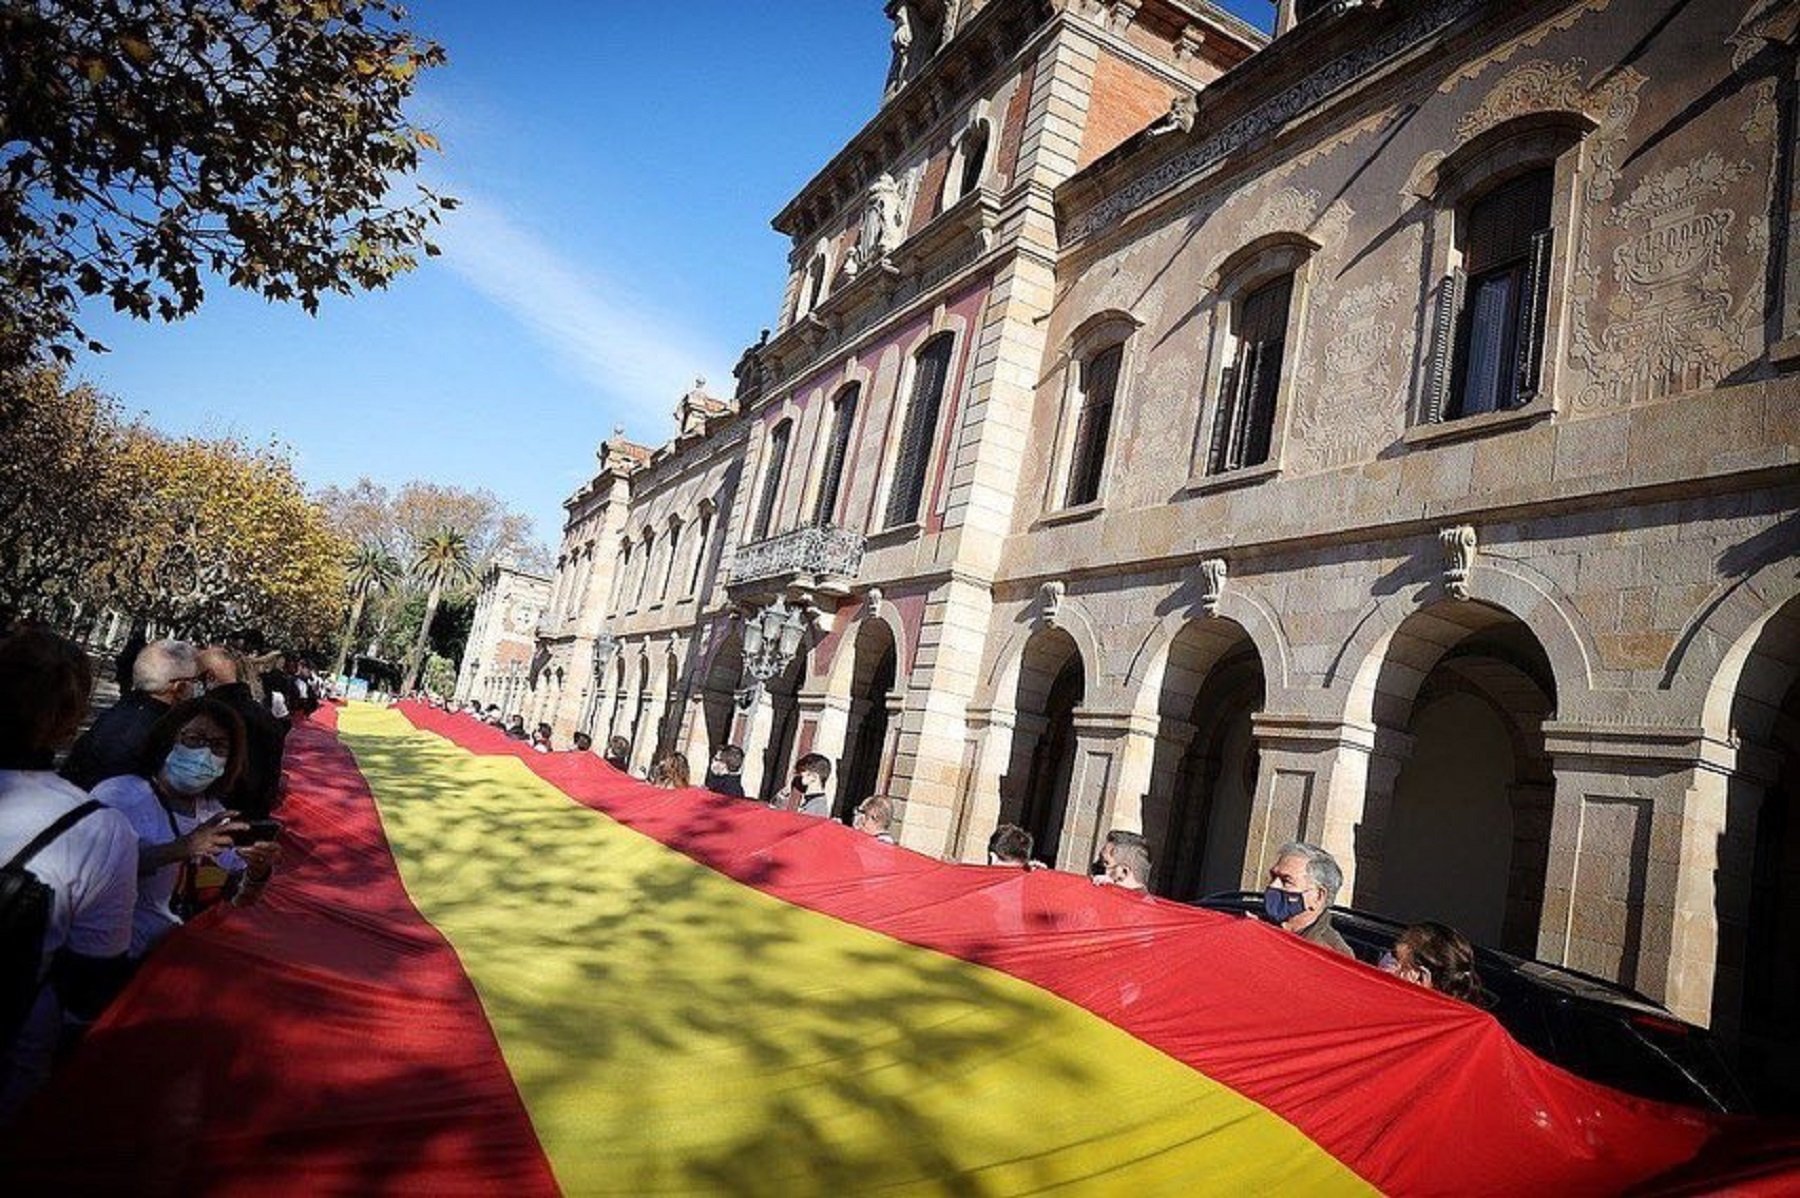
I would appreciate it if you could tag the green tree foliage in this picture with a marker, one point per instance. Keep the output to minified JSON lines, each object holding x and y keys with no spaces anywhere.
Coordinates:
{"x":62,"y":502}
{"x":370,"y":569}
{"x":144,"y":145}
{"x":442,"y":560}
{"x":405,"y":519}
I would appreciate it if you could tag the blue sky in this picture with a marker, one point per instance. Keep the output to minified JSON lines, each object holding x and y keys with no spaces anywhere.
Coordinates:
{"x":618,"y":165}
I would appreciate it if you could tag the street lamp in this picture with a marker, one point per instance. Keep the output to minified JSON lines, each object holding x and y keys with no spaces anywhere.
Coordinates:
{"x":772,"y":638}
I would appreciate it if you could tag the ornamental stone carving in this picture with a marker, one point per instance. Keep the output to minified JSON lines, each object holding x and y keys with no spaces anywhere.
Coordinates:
{"x":883,"y":225}
{"x":1050,"y":597}
{"x":1212,"y":584}
{"x":1459,"y":546}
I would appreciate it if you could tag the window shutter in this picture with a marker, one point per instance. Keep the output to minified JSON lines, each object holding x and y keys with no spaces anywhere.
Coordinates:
{"x":1443,"y":345}
{"x":1222,"y":417}
{"x":1259,"y":404}
{"x":1532,"y":315}
{"x":778,"y":448}
{"x":1099,"y":386}
{"x":916,"y":436}
{"x":843,"y":417}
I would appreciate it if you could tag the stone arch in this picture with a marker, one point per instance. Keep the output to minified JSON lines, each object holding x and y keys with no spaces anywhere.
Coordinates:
{"x":1454,"y":821}
{"x":1749,"y":884}
{"x":1050,"y":682}
{"x":1071,"y":618}
{"x":874,"y":687}
{"x":1144,"y":679}
{"x":1209,"y":683}
{"x":839,"y":680}
{"x":1532,"y":602}
{"x":1706,"y":665}
{"x":721,"y":673}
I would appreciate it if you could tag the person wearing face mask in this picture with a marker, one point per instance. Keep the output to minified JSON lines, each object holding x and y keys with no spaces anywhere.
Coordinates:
{"x":1303,"y":883}
{"x":194,"y":755}
{"x":224,"y":676}
{"x":811,"y":773}
{"x":162,"y":675}
{"x":723,"y":773}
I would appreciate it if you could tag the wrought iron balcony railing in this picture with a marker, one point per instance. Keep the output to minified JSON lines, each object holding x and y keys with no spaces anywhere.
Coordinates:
{"x":820,"y":552}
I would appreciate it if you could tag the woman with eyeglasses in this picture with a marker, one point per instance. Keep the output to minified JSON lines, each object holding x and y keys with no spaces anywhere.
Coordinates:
{"x":1437,"y":957}
{"x":187,"y":850}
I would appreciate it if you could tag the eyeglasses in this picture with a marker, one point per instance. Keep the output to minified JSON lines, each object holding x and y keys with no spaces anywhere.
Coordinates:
{"x":191,"y":739}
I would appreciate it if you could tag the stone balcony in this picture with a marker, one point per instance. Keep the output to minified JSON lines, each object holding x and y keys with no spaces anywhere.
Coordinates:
{"x":821,"y":560}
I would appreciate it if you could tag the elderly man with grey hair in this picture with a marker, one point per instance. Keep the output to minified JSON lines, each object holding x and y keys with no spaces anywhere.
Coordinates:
{"x":163,"y":675}
{"x":1303,"y":883}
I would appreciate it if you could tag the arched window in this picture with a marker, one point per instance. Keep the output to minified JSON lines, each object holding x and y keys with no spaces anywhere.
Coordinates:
{"x":812,"y":287}
{"x":975,"y":156}
{"x":1099,"y":385}
{"x":931,"y":375}
{"x":1495,"y":302}
{"x":1244,"y":417}
{"x":670,"y":553}
{"x":701,"y":538}
{"x":837,"y":450}
{"x":619,"y":573}
{"x":643,"y":578}
{"x":771,"y":487}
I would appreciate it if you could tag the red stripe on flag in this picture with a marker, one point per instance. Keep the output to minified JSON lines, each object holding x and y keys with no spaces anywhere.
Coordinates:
{"x":325,"y":1040}
{"x":1416,"y":1092}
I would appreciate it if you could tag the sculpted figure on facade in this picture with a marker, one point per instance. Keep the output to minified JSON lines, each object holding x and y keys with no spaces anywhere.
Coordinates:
{"x":1213,"y":572}
{"x":902,"y":42}
{"x":883,"y":225}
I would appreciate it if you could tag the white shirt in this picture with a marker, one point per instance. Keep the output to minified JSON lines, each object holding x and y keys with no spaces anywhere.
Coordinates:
{"x":153,"y":919}
{"x":92,"y":867}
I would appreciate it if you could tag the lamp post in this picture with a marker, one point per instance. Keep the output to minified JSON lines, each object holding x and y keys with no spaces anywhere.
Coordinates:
{"x":772,"y":638}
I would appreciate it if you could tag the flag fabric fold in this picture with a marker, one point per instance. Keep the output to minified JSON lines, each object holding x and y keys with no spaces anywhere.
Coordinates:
{"x":484,"y":969}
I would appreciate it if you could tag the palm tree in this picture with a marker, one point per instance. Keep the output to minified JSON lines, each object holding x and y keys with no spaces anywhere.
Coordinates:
{"x":370,"y":568}
{"x":443,"y":560}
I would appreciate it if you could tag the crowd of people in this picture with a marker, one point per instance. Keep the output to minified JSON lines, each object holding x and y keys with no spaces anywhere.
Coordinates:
{"x":1302,"y":884}
{"x":162,"y":808}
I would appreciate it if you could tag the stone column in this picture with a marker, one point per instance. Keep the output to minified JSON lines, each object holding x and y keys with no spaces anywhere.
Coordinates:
{"x":695,"y":738}
{"x":985,"y":762}
{"x":830,"y":717}
{"x":1650,"y":839}
{"x":757,"y":726}
{"x":1322,"y":781}
{"x":890,"y":744}
{"x":1098,"y":801}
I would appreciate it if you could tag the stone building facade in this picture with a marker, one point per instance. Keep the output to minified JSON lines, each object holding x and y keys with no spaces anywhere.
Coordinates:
{"x":496,"y":662}
{"x":1385,"y":436}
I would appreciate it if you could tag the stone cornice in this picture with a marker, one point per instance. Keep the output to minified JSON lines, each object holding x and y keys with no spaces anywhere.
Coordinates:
{"x":1248,"y":107}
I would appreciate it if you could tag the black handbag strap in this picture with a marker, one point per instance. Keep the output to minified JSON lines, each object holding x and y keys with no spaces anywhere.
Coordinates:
{"x":41,"y":841}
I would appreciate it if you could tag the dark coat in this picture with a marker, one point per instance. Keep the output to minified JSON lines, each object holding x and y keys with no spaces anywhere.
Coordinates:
{"x":731,"y":785}
{"x":258,"y":791}
{"x":115,"y":743}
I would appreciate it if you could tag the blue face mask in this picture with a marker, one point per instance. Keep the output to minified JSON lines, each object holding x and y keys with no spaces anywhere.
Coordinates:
{"x":1282,"y":905}
{"x":190,"y":771}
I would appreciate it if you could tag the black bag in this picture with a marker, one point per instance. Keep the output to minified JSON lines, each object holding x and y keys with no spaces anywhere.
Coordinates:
{"x":25,"y":904}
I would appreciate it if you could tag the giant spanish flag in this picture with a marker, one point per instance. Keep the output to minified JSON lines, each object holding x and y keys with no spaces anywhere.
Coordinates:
{"x":484,"y":970}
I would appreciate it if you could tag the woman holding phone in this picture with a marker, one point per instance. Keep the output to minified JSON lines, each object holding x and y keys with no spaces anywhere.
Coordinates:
{"x":195,"y":753}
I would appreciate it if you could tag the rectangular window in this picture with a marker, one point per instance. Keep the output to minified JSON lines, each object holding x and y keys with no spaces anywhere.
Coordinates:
{"x":1244,"y":421}
{"x":930,"y":375}
{"x":1093,"y":424}
{"x":771,"y":490}
{"x":1499,"y":293}
{"x":842,"y":419}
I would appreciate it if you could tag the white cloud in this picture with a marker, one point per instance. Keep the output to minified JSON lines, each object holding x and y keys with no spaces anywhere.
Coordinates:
{"x":638,"y":357}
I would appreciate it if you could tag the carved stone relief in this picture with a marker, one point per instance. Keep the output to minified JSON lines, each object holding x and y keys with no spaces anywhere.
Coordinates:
{"x":1354,"y":393}
{"x":1672,"y":324}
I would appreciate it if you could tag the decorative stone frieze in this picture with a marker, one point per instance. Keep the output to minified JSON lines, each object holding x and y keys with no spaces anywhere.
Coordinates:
{"x":1459,"y":545}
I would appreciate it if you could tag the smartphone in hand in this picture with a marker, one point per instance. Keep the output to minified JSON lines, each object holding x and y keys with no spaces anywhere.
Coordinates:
{"x":257,"y":831}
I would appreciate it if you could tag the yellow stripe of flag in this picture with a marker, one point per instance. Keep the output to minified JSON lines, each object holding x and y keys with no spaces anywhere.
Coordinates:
{"x":675,"y":1031}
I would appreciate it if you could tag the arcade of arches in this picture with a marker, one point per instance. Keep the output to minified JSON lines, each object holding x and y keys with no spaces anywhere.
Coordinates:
{"x":1454,"y":789}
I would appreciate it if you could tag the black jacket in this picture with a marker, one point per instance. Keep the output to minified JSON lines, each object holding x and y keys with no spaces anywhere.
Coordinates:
{"x":726,"y":784}
{"x":259,"y":789}
{"x":115,"y":743}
